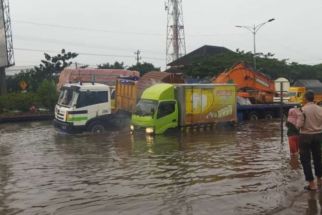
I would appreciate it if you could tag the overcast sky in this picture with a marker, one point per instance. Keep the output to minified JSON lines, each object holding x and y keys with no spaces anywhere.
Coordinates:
{"x":116,"y":29}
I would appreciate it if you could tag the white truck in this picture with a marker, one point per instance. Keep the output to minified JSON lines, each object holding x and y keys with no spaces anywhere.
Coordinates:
{"x":84,"y":107}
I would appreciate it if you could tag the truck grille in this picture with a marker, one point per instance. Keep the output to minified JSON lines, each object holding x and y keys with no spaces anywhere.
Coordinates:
{"x":60,"y":115}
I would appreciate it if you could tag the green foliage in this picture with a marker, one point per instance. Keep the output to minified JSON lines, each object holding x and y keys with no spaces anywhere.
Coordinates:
{"x":213,"y":65}
{"x":49,"y":69}
{"x":2,"y":104}
{"x":46,"y":97}
{"x":53,"y":65}
{"x":266,"y":63}
{"x":144,"y":67}
{"x":47,"y":94}
{"x":116,"y":65}
{"x":18,"y":101}
{"x":13,"y":81}
{"x":141,"y":67}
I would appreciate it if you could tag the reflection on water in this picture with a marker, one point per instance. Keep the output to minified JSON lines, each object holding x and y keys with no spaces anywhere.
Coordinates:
{"x":313,"y":202}
{"x":244,"y":170}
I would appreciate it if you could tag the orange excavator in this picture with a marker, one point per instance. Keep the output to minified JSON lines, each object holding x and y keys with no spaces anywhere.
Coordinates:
{"x":252,"y":85}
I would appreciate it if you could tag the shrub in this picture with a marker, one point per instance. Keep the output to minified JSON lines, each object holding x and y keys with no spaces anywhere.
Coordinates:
{"x":17,"y":101}
{"x":47,"y":94}
{"x":46,"y":97}
{"x":2,"y":105}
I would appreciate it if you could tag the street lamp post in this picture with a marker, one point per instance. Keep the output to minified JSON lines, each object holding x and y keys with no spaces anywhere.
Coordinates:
{"x":254,"y":29}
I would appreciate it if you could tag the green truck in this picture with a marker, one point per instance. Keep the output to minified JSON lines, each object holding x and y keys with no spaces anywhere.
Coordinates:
{"x":166,"y":106}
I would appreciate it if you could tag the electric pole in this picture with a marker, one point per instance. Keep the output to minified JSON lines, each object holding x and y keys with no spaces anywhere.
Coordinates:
{"x":137,"y":56}
{"x":175,"y":45}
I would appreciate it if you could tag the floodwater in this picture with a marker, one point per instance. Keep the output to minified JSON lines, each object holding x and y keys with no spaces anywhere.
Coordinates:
{"x":244,"y":170}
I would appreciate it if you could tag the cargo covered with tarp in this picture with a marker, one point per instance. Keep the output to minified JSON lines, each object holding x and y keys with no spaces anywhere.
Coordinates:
{"x":102,"y":76}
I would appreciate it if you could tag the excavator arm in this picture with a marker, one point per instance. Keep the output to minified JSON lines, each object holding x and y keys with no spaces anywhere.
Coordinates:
{"x":254,"y":85}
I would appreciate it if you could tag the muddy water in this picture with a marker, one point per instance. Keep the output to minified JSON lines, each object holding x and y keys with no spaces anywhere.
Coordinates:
{"x":245,"y":170}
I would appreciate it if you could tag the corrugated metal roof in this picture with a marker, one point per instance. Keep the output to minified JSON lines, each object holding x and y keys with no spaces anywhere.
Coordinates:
{"x":203,"y":51}
{"x":314,"y":85}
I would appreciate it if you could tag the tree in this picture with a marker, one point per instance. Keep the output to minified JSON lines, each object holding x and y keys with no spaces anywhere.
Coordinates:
{"x":209,"y":66}
{"x":144,"y":67}
{"x":49,"y":69}
{"x":3,"y":86}
{"x":47,"y":94}
{"x":116,"y":65}
{"x":53,"y":65}
{"x":13,"y":81}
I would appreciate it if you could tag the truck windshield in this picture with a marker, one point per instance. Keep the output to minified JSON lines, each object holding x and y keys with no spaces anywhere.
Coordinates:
{"x":67,"y":96}
{"x":146,"y":107}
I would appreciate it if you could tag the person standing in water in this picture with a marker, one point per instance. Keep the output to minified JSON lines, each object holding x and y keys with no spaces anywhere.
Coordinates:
{"x":293,"y":131}
{"x":310,"y":124}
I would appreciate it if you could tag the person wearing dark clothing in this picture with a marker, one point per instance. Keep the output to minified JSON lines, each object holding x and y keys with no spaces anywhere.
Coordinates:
{"x":310,"y":123}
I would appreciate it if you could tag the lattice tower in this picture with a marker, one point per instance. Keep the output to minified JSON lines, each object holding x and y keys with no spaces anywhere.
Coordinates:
{"x":175,"y":45}
{"x":4,"y":6}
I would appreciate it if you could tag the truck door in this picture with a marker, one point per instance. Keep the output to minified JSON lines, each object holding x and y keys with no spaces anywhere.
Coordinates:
{"x":93,"y":104}
{"x":167,"y":116}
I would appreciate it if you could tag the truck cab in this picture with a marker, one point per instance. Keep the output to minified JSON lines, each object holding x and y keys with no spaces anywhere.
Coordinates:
{"x":157,"y":110}
{"x":83,"y":106}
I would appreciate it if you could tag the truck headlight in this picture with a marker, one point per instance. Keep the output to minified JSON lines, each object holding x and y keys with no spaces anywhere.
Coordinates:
{"x":132,"y":127}
{"x":149,"y":130}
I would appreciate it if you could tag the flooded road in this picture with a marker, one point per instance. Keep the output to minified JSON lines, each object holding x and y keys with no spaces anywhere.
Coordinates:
{"x":245,"y":170}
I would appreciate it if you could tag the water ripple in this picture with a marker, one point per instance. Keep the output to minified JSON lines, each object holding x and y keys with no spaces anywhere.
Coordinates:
{"x":239,"y":171}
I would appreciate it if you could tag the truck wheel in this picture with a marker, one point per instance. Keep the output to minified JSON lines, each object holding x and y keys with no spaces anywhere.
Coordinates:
{"x":253,"y":116}
{"x":96,"y":128}
{"x":122,"y":120}
{"x":268,"y":116}
{"x":119,"y":122}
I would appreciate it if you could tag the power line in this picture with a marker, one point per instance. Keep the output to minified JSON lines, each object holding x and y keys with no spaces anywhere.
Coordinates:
{"x":86,"y":29}
{"x":59,"y":42}
{"x":85,"y":53}
{"x":77,"y":28}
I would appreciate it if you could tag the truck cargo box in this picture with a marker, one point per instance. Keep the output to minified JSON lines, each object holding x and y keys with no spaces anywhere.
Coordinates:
{"x":125,"y":95}
{"x":206,"y":103}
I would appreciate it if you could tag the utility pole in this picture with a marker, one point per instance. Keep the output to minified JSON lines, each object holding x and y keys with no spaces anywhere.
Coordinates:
{"x":254,"y":29}
{"x":137,"y":56}
{"x":175,"y":45}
